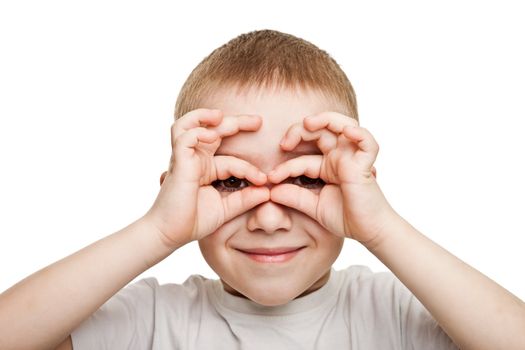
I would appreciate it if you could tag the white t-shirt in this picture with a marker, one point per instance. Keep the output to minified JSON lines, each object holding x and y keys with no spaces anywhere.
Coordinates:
{"x":355,"y":309}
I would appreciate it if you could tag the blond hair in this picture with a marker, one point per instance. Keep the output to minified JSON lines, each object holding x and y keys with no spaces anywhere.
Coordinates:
{"x":266,"y":58}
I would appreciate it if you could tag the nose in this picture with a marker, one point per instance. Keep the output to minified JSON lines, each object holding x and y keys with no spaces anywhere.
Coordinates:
{"x":269,"y":217}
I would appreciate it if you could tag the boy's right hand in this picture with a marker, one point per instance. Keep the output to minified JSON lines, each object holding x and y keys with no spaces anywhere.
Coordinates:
{"x":188,"y":207}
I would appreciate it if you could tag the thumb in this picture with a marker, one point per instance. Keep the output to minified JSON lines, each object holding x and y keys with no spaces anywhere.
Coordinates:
{"x":297,"y":198}
{"x":241,"y":201}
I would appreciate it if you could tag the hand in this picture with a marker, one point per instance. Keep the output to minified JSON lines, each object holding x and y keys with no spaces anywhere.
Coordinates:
{"x":351,"y":203}
{"x":188,"y":207}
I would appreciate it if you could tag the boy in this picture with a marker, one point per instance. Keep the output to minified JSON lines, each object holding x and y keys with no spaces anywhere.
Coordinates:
{"x":270,"y":172}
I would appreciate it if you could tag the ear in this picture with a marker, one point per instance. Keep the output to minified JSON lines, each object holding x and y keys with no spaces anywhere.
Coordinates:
{"x":162,"y":177}
{"x":374,"y":171}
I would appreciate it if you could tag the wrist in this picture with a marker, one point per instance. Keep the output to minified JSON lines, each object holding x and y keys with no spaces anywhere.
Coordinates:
{"x":158,"y":247}
{"x":388,"y":227}
{"x":171,"y":235}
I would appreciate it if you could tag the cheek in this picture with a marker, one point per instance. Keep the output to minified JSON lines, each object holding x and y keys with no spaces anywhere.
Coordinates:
{"x":212,"y":245}
{"x":311,"y":227}
{"x":335,"y":246}
{"x":328,"y":243}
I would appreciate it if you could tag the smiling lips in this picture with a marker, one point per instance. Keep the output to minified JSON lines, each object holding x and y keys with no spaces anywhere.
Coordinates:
{"x":271,"y":255}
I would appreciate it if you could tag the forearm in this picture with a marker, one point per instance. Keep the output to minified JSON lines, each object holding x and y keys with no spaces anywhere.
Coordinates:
{"x":43,"y":309}
{"x":473,"y":310}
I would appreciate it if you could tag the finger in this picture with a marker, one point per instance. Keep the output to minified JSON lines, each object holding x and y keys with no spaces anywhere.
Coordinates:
{"x":226,"y":166}
{"x":364,"y":139}
{"x":295,"y":197}
{"x":332,"y":121}
{"x":324,"y":139}
{"x":191,"y":138}
{"x":241,"y":201}
{"x":309,"y":165}
{"x":201,"y":117}
{"x":231,"y":125}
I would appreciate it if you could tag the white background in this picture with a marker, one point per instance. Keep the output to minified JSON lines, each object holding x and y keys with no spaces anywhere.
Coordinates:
{"x":87,"y":93}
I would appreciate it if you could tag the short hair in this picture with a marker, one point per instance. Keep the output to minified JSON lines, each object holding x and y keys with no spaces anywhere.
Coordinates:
{"x":266,"y":58}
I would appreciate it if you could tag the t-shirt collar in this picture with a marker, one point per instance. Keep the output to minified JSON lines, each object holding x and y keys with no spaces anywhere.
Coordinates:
{"x":225,"y":300}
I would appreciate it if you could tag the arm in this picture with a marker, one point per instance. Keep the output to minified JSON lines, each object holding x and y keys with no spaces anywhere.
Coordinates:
{"x":68,"y":291}
{"x":473,"y":310}
{"x":52,"y":302}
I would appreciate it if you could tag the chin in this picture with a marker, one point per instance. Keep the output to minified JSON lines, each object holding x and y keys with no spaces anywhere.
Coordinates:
{"x":273,"y":296}
{"x":271,"y":300}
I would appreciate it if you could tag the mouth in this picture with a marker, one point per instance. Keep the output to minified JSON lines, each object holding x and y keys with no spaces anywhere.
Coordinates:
{"x":271,"y":255}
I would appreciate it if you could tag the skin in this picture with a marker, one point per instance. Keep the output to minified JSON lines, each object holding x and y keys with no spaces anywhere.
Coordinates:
{"x":351,"y":205}
{"x":473,"y":310}
{"x":270,"y":224}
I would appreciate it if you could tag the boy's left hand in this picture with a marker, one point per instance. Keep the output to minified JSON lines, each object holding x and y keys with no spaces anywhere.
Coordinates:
{"x":351,"y":203}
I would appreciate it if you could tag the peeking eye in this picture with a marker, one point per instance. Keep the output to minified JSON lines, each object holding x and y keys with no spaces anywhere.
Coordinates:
{"x":307,"y":182}
{"x":231,"y":184}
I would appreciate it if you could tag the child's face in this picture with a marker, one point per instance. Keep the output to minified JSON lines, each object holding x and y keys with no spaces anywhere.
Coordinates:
{"x":270,"y":225}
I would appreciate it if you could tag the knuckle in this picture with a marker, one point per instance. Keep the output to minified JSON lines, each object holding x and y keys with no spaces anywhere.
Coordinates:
{"x":229,"y":122}
{"x":226,"y":127}
{"x":180,"y":139}
{"x":296,"y":129}
{"x":310,"y":172}
{"x":184,"y":136}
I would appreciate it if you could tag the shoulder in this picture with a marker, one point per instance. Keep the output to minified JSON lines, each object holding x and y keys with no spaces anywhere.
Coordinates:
{"x":190,"y":294}
{"x":380,"y":298}
{"x":193,"y":282}
{"x":377,"y":297}
{"x":361,"y":278}
{"x":144,"y":305}
{"x":192,"y":286}
{"x":380,"y":290}
{"x":148,"y":297}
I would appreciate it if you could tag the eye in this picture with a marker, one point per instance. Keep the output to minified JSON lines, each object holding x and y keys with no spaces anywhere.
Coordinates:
{"x":231,"y":184}
{"x":308,"y":182}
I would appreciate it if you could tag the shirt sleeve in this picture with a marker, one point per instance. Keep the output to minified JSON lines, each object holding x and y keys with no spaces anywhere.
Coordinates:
{"x":388,"y":315}
{"x":125,"y":321}
{"x":419,"y":329}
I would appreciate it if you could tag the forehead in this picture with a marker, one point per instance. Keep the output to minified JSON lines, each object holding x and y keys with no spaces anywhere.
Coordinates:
{"x":272,"y":103}
{"x":279,"y":109}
